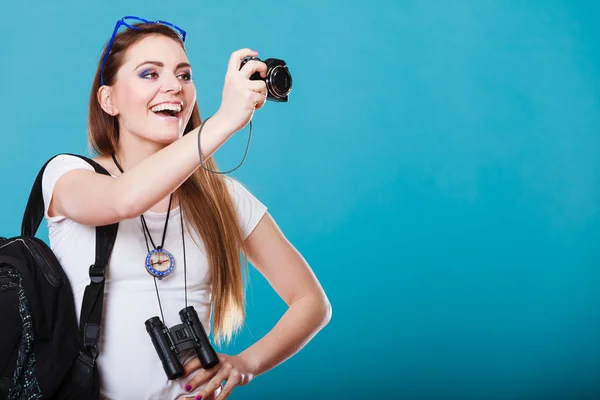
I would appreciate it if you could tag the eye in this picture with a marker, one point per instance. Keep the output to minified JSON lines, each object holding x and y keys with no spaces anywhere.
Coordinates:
{"x":186,"y":76}
{"x":149,"y":74}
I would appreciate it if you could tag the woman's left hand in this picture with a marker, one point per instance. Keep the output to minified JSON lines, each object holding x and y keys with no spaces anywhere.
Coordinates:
{"x":233,"y":369}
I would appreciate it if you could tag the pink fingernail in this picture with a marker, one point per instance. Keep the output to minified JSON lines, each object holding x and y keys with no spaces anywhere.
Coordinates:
{"x":188,"y":387}
{"x":198,"y":397}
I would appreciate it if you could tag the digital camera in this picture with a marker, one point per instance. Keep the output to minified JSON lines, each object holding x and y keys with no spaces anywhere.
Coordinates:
{"x":189,"y":334}
{"x":278,"y":80}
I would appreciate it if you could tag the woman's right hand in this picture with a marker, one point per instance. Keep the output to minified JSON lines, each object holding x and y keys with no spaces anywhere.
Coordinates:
{"x":241,"y":96}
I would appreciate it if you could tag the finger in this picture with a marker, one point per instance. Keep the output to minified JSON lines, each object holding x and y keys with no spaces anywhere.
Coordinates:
{"x":195,"y":364}
{"x":235,"y":61}
{"x":253,"y":66}
{"x":234,"y":380}
{"x":258,"y":86}
{"x":258,"y":99}
{"x":200,"y":378}
{"x":191,"y":366}
{"x":215,"y":382}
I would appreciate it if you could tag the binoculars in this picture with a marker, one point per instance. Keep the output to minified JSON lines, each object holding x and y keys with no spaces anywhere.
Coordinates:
{"x":190,"y":334}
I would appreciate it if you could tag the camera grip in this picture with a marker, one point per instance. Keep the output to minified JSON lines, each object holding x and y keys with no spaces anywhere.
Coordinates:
{"x":158,"y":334}
{"x":205,"y":352}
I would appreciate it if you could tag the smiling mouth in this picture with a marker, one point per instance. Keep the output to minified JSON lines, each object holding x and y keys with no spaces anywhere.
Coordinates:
{"x":169,"y":111}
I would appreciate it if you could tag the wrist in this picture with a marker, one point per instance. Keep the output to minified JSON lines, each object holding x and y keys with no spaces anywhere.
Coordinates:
{"x":220,"y":124}
{"x":251,"y":364}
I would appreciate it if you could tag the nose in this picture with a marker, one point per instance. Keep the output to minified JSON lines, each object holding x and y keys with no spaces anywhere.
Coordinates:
{"x":171,"y":84}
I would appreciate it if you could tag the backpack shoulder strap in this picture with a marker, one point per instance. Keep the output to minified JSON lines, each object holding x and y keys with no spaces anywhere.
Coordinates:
{"x":34,"y":211}
{"x":93,"y":298}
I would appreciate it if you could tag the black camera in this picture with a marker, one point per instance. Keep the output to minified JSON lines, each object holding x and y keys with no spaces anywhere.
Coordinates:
{"x":278,"y":80}
{"x":187,"y":335}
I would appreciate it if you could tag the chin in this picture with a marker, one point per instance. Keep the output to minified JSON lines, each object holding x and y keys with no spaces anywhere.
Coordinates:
{"x":164,"y":136}
{"x":169,"y":136}
{"x":166,"y":129}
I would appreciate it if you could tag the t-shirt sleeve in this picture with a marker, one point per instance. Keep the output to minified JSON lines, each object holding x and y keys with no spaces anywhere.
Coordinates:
{"x":56,"y":168}
{"x":250,"y":210}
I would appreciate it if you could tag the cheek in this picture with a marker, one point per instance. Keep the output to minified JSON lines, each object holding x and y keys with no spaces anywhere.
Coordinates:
{"x":135,"y":98}
{"x":190,"y":97}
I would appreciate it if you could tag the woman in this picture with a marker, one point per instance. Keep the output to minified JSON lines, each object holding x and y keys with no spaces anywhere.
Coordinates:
{"x":182,"y":227}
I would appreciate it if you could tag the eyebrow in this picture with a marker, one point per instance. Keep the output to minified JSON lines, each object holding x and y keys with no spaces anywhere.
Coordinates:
{"x":160,"y":64}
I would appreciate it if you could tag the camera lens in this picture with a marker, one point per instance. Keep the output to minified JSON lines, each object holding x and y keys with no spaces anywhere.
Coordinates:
{"x":280,"y":81}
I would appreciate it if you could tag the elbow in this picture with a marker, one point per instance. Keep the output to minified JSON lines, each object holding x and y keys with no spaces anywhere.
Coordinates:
{"x":328,"y":312}
{"x":317,"y":307}
{"x":325,"y":310}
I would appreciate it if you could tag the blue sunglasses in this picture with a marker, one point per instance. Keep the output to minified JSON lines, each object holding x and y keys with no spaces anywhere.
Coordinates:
{"x":123,"y":22}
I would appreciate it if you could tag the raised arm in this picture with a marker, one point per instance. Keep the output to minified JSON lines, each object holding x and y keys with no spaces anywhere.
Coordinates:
{"x":94,"y":199}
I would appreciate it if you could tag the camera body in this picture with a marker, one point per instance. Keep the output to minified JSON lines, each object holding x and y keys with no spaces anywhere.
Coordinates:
{"x":278,"y":80}
{"x":190,"y":334}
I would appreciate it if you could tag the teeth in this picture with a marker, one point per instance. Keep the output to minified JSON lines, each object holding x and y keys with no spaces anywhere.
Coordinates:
{"x":167,"y":106}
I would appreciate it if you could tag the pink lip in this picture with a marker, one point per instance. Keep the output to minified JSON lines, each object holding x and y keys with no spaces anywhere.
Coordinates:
{"x":165,"y":118}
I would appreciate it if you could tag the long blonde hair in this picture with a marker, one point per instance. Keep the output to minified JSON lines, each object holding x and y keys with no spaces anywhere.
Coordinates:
{"x":203,"y":197}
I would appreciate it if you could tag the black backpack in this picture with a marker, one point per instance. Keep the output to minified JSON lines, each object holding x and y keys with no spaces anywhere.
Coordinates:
{"x":44,"y":354}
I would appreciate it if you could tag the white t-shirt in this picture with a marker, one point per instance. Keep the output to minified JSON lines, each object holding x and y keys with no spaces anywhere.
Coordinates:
{"x":128,"y":363}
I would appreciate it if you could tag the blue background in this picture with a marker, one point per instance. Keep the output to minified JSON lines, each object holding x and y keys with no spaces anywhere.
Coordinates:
{"x":438,"y":165}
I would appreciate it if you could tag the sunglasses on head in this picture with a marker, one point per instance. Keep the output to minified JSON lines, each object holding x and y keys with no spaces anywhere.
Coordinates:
{"x":132,"y":19}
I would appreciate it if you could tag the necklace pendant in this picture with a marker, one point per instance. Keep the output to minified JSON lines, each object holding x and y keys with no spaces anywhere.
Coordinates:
{"x":159,"y":263}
